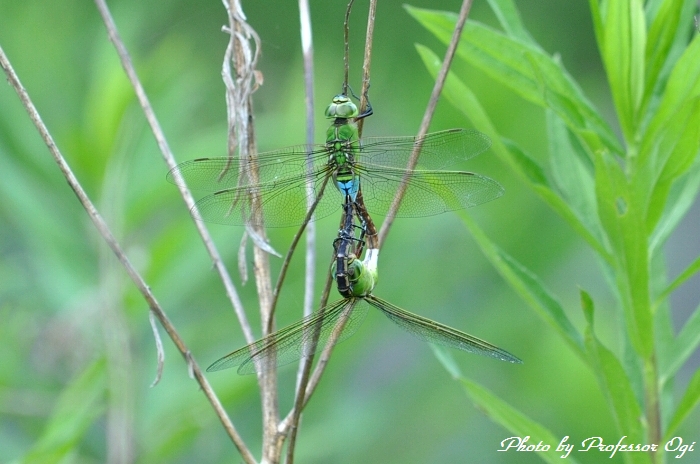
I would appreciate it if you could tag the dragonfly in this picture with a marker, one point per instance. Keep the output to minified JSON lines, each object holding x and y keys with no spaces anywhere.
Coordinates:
{"x":272,"y":188}
{"x":336,"y":322}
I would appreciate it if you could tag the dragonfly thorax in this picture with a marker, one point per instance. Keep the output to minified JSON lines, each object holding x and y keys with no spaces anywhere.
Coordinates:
{"x":342,"y":143}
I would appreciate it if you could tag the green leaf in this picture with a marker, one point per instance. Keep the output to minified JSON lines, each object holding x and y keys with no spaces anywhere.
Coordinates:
{"x":618,"y":392}
{"x":573,"y":178}
{"x":623,"y":48}
{"x":587,"y":306}
{"x":691,"y":398}
{"x":508,"y":16}
{"x":506,"y":415}
{"x":684,"y":346}
{"x":683,"y":85}
{"x":681,"y":198}
{"x":77,"y":407}
{"x":662,"y":33}
{"x":625,"y":228}
{"x":527,"y":71}
{"x":528,"y":286}
{"x":677,"y":151}
{"x":523,"y":165}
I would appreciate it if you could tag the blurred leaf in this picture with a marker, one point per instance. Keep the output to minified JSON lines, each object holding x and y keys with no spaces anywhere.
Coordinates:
{"x":624,"y":226}
{"x":573,"y":179}
{"x":528,"y":286}
{"x":587,"y":306}
{"x":623,"y":45}
{"x":508,"y":16}
{"x":662,"y":33}
{"x":678,"y":149}
{"x":515,"y":421}
{"x":617,"y":390}
{"x":684,"y":345}
{"x":523,"y":165}
{"x":527,"y":71}
{"x":683,"y":85}
{"x":691,"y":398}
{"x":504,"y":414}
{"x":681,"y":197}
{"x":78,"y":406}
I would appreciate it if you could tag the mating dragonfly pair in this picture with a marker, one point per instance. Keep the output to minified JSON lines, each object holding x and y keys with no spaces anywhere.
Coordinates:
{"x":367,"y":174}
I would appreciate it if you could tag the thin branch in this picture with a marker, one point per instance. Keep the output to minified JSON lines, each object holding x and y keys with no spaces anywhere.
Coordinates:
{"x":170,"y":162}
{"x":241,"y":80}
{"x":133,"y":274}
{"x":308,"y":53}
{"x":346,"y":50}
{"x":427,"y":117}
{"x":367,"y":62}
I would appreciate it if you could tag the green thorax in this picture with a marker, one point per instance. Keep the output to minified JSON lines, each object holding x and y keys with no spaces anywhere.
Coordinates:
{"x":343,"y":144}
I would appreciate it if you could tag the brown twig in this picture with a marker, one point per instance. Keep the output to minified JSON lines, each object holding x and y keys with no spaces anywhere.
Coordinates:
{"x":367,"y":62}
{"x":133,"y":274}
{"x":427,"y":117}
{"x":170,"y":162}
{"x":241,"y":80}
{"x":308,"y":54}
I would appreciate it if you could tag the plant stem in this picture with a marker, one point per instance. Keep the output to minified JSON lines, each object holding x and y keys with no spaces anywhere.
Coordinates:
{"x":427,"y":117}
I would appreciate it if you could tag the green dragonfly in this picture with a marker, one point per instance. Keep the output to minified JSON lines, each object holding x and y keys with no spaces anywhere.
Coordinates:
{"x":279,"y":180}
{"x":336,"y":322}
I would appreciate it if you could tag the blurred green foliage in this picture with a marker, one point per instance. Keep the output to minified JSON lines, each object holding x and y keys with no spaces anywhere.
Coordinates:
{"x":77,"y":352}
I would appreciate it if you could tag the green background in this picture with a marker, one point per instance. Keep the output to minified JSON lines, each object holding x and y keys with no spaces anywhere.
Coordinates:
{"x":65,"y":303}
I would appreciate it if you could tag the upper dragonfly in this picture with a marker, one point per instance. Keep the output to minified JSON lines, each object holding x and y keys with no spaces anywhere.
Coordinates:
{"x":336,"y":322}
{"x":279,"y":180}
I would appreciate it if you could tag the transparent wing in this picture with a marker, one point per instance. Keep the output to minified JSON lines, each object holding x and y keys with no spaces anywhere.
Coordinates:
{"x":434,"y":332}
{"x":427,"y":192}
{"x":214,"y":174}
{"x":282,"y":203}
{"x":297,"y":340}
{"x":439,"y":149}
{"x":279,"y":178}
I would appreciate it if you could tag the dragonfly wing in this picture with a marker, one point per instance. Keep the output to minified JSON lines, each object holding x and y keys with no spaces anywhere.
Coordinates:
{"x":214,"y":174}
{"x":282,"y":203}
{"x":434,"y":332}
{"x":297,"y":340}
{"x":438,"y":149}
{"x":427,"y":192}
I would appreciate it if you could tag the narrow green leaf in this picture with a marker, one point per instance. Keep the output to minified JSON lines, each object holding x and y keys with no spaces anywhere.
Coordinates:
{"x":690,"y":400}
{"x":528,"y":286}
{"x":618,"y":392}
{"x":518,"y":423}
{"x":77,"y":407}
{"x":684,"y":346}
{"x":677,"y":150}
{"x":527,"y":71}
{"x":524,"y":166}
{"x":508,"y":16}
{"x":625,"y":228}
{"x":587,"y":306}
{"x":623,"y":54}
{"x":683,"y":85}
{"x":680,"y":199}
{"x":662,"y":33}
{"x":573,"y":179}
{"x":689,"y":272}
{"x":597,"y":19}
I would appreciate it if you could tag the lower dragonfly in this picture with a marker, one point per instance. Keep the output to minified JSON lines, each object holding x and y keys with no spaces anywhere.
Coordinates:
{"x":336,"y":322}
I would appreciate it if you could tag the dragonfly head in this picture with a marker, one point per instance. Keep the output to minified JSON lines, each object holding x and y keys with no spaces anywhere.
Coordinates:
{"x":342,"y":108}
